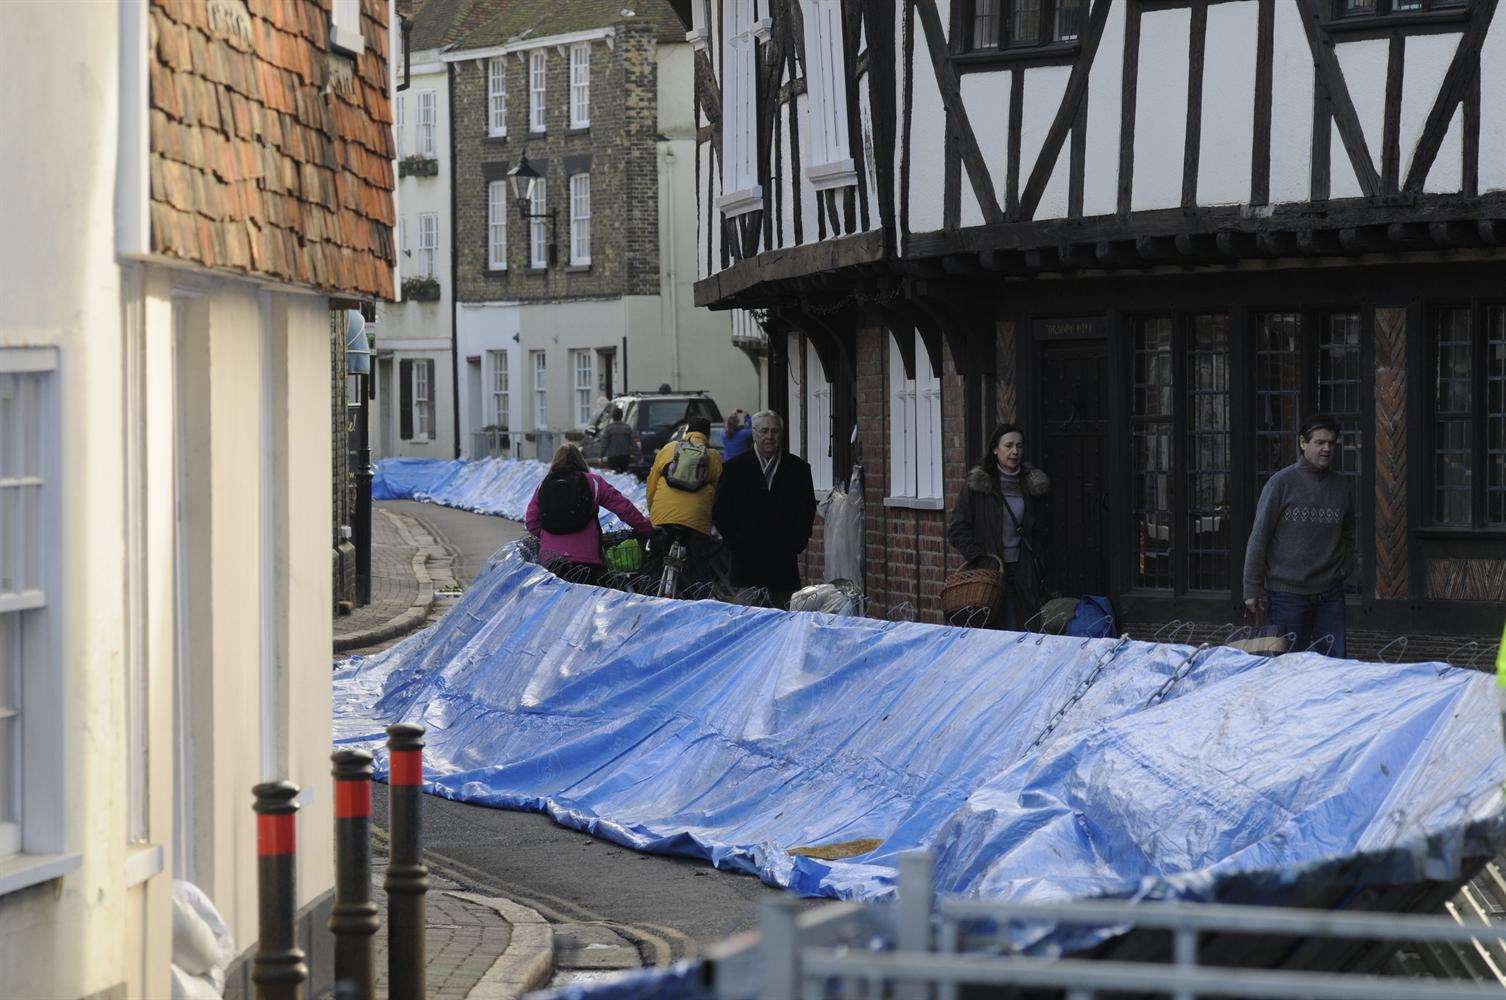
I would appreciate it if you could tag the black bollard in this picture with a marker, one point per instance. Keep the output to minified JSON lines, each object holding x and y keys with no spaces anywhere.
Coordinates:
{"x":278,"y":969}
{"x":407,"y":875}
{"x":353,"y":919}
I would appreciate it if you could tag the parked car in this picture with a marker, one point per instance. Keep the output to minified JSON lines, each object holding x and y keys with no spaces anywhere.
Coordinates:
{"x":653,"y":416}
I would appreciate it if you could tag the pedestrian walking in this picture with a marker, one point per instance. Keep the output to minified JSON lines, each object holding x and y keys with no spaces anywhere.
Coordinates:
{"x":563,"y":514}
{"x":682,"y":487}
{"x":1301,"y":547}
{"x":765,"y":510}
{"x":738,"y":437}
{"x":617,"y":442}
{"x":998,"y":516}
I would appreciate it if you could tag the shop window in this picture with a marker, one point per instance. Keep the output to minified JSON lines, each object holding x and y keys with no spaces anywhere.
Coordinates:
{"x":1467,"y":388}
{"x":1181,"y":465}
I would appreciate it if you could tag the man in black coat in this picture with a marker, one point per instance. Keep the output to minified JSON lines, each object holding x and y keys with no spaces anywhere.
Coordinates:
{"x":765,"y":509}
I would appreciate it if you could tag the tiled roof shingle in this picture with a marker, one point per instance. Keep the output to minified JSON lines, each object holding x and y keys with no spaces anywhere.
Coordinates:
{"x":260,"y":161}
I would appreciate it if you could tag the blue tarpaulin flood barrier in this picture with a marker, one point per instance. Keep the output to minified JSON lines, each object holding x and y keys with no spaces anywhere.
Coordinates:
{"x":1035,"y":767}
{"x":500,"y":486}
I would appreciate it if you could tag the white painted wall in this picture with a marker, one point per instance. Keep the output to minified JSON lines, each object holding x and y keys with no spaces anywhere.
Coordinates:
{"x":1493,"y":112}
{"x":1100,"y":188}
{"x":1291,"y":108}
{"x":1044,"y":87}
{"x":100,"y":926}
{"x":986,"y":97}
{"x":1228,"y":117}
{"x":422,"y":329}
{"x":927,"y":140}
{"x":1364,"y":66}
{"x":1160,"y":110}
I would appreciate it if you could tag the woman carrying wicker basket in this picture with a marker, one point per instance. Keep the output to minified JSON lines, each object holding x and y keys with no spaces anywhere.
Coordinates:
{"x":996,"y":523}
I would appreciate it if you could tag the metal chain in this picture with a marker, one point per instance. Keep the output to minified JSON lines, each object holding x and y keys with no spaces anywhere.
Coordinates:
{"x":1078,"y":692}
{"x":1182,"y":670}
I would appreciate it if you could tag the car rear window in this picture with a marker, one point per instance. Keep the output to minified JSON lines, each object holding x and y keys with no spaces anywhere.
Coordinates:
{"x":663,"y":414}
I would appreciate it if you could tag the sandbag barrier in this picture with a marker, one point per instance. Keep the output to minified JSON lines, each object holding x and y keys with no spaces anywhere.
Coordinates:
{"x":497,"y":486}
{"x":812,"y":749}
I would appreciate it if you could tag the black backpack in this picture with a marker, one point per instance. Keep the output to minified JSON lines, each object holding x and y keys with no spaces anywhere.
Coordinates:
{"x":567,"y":503}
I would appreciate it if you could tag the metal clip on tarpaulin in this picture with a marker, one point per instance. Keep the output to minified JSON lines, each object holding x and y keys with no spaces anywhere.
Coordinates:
{"x":1183,"y":669}
{"x":1077,"y":693}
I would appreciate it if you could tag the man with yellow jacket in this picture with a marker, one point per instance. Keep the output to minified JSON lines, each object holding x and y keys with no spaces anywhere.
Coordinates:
{"x":682,"y":490}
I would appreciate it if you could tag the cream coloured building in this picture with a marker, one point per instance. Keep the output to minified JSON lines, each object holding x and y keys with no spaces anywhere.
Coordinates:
{"x":172,"y":259}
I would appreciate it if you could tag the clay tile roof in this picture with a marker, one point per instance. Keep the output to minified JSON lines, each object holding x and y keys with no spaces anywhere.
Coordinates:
{"x":269,"y":154}
{"x":546,"y":18}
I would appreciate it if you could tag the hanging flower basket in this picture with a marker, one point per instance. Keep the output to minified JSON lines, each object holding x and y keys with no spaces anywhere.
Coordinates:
{"x":421,"y":290}
{"x":418,"y":166}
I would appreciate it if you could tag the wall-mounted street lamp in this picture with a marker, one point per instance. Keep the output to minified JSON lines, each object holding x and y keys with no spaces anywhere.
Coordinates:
{"x":523,"y":181}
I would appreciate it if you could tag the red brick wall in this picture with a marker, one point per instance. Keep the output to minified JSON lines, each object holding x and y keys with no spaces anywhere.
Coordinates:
{"x":907,"y":554}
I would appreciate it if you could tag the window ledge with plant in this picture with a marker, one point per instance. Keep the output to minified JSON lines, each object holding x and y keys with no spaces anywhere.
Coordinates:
{"x":421,"y":290}
{"x":418,"y":165}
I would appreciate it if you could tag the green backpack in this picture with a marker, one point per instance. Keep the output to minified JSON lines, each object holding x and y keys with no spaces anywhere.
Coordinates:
{"x":689,"y":466}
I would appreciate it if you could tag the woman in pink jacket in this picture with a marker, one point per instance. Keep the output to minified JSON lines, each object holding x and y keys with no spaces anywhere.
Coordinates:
{"x":563,"y":513}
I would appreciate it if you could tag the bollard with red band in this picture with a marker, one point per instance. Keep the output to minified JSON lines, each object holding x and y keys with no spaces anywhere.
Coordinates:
{"x":278,"y":970}
{"x":407,"y":876}
{"x":353,"y":919}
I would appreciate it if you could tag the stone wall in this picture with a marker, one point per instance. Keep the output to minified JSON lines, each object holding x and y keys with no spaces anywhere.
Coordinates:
{"x":618,"y":150}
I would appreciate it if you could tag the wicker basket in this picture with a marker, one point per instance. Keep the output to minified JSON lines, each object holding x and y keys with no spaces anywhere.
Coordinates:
{"x":973,"y":588}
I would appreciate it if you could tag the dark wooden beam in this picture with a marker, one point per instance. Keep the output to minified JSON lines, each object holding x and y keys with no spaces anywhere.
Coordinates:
{"x":1117,"y":253}
{"x":1009,"y":261}
{"x":1077,"y":255}
{"x":1456,"y":82}
{"x":1278,"y":243}
{"x":961,"y":264}
{"x":1409,"y":236}
{"x":1042,"y":259}
{"x":1066,"y":112}
{"x":1454,"y":234}
{"x":1156,"y":249}
{"x":1326,"y":65}
{"x":1492,"y":231}
{"x":951,"y":99}
{"x":1364,"y":239}
{"x":1232,"y":243}
{"x":1199,"y":246}
{"x":1319,"y":242}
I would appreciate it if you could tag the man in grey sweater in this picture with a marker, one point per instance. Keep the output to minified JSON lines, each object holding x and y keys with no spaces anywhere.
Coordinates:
{"x":1302,"y":543}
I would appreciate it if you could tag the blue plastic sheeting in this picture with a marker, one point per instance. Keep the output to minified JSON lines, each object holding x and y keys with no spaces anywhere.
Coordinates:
{"x":500,"y":486}
{"x":400,"y":478}
{"x":1035,"y":767}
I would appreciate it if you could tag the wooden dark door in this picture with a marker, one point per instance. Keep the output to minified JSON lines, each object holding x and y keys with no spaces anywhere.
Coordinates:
{"x":1069,"y":445}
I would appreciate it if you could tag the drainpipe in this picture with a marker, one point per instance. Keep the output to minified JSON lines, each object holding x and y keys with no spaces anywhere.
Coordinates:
{"x":669,"y":305}
{"x":454,"y":256}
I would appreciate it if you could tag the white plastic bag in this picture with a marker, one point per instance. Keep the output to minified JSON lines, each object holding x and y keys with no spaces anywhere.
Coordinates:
{"x":842,"y":511}
{"x":202,"y":945}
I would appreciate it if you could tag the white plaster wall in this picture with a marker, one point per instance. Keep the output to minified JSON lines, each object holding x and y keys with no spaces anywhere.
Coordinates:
{"x":902,"y":15}
{"x":1364,"y":66}
{"x":927,"y":141}
{"x":788,"y":184}
{"x":810,"y":229}
{"x":1447,"y":173}
{"x":703,"y":187}
{"x":1493,"y":110}
{"x":1291,"y":108}
{"x":986,"y":98}
{"x":1228,"y":105}
{"x":61,"y":288}
{"x":442,"y":445}
{"x":1427,"y":60}
{"x":1100,"y":188}
{"x":870,"y":151}
{"x":1160,"y":110}
{"x":1043,"y":89}
{"x":482,"y":327}
{"x":422,"y":329}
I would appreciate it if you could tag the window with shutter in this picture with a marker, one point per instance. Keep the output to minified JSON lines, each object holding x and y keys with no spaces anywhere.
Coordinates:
{"x":400,"y":126}
{"x":428,"y":243}
{"x":741,"y":192}
{"x":501,"y":405}
{"x":540,"y":391}
{"x":831,"y":164}
{"x":405,"y":400}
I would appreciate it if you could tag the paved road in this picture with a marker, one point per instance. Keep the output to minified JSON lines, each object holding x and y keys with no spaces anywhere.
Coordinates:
{"x":670,"y":906}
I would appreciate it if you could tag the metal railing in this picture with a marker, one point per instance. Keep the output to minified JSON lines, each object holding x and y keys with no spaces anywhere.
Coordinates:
{"x":492,"y":444}
{"x":923,"y":946}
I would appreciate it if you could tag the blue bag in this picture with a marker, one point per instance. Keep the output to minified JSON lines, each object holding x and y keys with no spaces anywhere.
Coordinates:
{"x":1094,"y":618}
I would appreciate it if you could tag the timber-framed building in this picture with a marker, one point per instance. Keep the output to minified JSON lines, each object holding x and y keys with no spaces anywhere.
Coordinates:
{"x":1155,"y":232}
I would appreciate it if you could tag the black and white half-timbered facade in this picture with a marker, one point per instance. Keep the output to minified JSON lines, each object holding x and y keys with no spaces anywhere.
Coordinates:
{"x":1155,"y":232}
